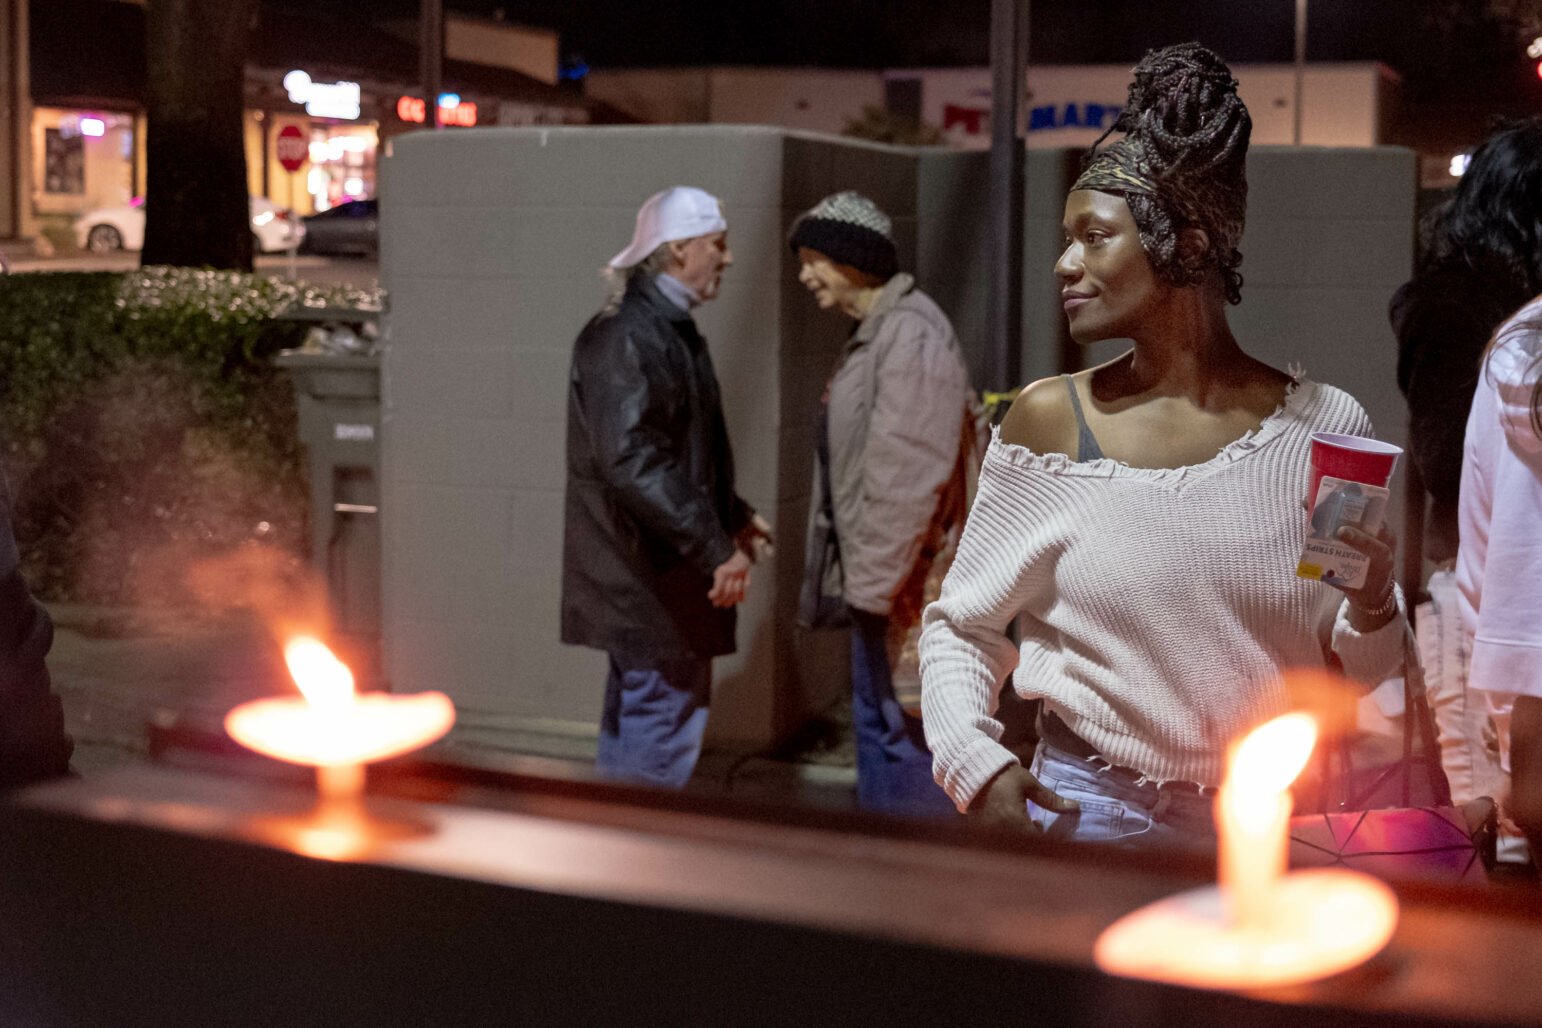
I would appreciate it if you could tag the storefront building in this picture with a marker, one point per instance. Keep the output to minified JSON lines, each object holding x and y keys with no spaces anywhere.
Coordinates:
{"x":347,"y":102}
{"x":84,"y":158}
{"x":344,"y":92}
{"x":84,"y":120}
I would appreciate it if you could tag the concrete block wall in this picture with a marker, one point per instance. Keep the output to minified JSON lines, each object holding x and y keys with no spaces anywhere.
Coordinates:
{"x":472,"y":401}
{"x":1330,"y":237}
{"x":492,"y":244}
{"x":492,"y":240}
{"x":953,"y":252}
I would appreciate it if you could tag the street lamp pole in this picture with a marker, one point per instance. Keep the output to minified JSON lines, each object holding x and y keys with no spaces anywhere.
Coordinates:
{"x":1300,"y":68}
{"x":1009,"y":64}
{"x":431,"y":57}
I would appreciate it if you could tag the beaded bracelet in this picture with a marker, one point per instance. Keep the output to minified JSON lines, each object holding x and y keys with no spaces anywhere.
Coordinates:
{"x":1382,"y":609}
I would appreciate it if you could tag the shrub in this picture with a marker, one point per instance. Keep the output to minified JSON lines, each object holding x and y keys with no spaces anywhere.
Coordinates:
{"x":883,"y":126}
{"x":144,"y":424}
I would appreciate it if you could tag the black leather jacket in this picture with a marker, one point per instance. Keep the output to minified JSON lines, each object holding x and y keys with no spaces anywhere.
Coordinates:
{"x":651,"y":510}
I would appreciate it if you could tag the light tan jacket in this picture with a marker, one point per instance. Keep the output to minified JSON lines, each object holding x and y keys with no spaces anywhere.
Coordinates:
{"x":899,"y":403}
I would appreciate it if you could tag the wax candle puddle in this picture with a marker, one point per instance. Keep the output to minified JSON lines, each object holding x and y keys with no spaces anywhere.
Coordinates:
{"x":338,"y":732}
{"x":338,"y":831}
{"x":1259,"y":927}
{"x":1320,"y":922}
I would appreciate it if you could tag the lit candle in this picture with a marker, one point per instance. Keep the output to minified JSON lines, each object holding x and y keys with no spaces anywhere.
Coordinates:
{"x":1252,"y":815}
{"x":1260,"y":927}
{"x":327,"y":685}
{"x":332,"y":728}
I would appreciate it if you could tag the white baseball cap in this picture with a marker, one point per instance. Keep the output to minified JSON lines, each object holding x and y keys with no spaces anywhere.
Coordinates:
{"x":680,"y":212}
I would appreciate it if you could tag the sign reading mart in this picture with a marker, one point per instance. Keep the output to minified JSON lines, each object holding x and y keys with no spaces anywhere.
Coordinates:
{"x":977,"y":120}
{"x":1345,"y":103}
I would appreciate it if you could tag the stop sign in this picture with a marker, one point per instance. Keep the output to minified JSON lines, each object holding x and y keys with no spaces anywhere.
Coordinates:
{"x":291,"y":148}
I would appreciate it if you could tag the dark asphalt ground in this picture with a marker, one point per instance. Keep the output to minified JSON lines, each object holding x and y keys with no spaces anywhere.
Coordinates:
{"x":122,"y":672}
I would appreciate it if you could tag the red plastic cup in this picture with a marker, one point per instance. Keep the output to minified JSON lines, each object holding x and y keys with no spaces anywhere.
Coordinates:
{"x":1352,"y":458}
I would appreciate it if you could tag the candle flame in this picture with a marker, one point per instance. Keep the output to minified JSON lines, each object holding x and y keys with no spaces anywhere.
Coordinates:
{"x":324,"y":680}
{"x":1270,"y":757}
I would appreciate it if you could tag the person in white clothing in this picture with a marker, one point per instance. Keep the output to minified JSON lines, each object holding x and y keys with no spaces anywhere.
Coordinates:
{"x":1141,"y":521}
{"x":1499,"y":562}
{"x":1482,"y":261}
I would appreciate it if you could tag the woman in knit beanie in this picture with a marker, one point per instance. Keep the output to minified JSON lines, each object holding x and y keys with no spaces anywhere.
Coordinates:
{"x":896,"y":434}
{"x":1141,"y":521}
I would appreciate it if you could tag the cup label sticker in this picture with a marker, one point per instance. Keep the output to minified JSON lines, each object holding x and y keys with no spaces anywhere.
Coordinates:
{"x":1340,"y":504}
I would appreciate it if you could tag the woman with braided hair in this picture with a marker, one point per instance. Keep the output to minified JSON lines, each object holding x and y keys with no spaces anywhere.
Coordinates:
{"x":1142,"y":520}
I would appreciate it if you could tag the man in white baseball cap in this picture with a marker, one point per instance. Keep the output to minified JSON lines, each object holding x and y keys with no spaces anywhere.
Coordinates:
{"x":679,"y":213}
{"x":657,"y":545}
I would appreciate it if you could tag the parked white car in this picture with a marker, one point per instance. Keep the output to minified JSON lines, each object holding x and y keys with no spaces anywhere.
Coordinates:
{"x":123,"y":228}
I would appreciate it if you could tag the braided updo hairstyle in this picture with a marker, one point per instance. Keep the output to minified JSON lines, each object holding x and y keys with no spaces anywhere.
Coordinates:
{"x":1181,"y":162}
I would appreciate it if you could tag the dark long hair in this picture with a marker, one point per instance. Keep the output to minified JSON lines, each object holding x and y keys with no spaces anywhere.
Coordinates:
{"x":1493,"y":224}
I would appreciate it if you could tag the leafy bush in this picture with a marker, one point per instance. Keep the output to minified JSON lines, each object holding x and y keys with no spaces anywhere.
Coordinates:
{"x":883,"y":126}
{"x":143,"y":424}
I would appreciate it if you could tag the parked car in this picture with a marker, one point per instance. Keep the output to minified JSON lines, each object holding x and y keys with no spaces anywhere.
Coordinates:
{"x":348,"y":228}
{"x":123,"y":228}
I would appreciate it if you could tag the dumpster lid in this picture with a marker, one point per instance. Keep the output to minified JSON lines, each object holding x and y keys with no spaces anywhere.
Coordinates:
{"x":311,"y":359}
{"x":300,"y":312}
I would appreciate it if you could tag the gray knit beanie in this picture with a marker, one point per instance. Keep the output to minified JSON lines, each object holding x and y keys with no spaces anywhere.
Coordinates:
{"x":849,"y":229}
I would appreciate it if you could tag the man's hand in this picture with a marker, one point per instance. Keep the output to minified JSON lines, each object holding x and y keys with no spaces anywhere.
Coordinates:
{"x":730,"y":581}
{"x":1003,"y":802}
{"x":754,"y":539}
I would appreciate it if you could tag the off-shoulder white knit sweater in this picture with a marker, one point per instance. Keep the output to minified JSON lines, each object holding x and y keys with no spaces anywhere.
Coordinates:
{"x":1157,"y":607}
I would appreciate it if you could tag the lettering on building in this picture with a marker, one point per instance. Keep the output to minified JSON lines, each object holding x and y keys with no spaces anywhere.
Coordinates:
{"x":539,"y":114}
{"x":1073,"y":115}
{"x":974,"y":121}
{"x":971,"y":121}
{"x":452,"y":110}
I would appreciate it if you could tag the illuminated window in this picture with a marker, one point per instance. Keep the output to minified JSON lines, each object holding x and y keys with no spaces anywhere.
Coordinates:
{"x":64,"y":162}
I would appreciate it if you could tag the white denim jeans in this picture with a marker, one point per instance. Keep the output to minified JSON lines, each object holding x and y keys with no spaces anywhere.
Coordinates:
{"x":1118,"y":807}
{"x":1469,"y":749}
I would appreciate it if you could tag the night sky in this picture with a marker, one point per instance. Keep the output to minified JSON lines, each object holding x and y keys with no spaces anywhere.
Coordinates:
{"x":1444,"y":48}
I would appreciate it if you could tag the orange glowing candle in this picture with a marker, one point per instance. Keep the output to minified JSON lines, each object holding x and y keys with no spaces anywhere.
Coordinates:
{"x":331,"y":727}
{"x":1261,"y":927}
{"x":1252,"y":815}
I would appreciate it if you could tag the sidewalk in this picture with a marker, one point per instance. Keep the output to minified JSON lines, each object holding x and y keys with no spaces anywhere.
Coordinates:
{"x":120,"y":671}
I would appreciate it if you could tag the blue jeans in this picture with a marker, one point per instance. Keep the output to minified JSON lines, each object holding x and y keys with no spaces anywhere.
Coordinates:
{"x":655,"y":715}
{"x":1119,"y":808}
{"x":894,"y":767}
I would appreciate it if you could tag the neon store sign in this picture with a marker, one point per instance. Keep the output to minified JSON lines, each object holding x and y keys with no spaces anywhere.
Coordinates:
{"x":323,"y":99}
{"x":452,"y":110}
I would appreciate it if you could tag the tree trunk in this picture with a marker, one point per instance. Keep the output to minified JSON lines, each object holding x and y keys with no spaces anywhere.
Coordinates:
{"x":195,"y":158}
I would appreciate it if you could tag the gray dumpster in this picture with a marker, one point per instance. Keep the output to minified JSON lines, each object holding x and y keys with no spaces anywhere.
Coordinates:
{"x":338,"y":396}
